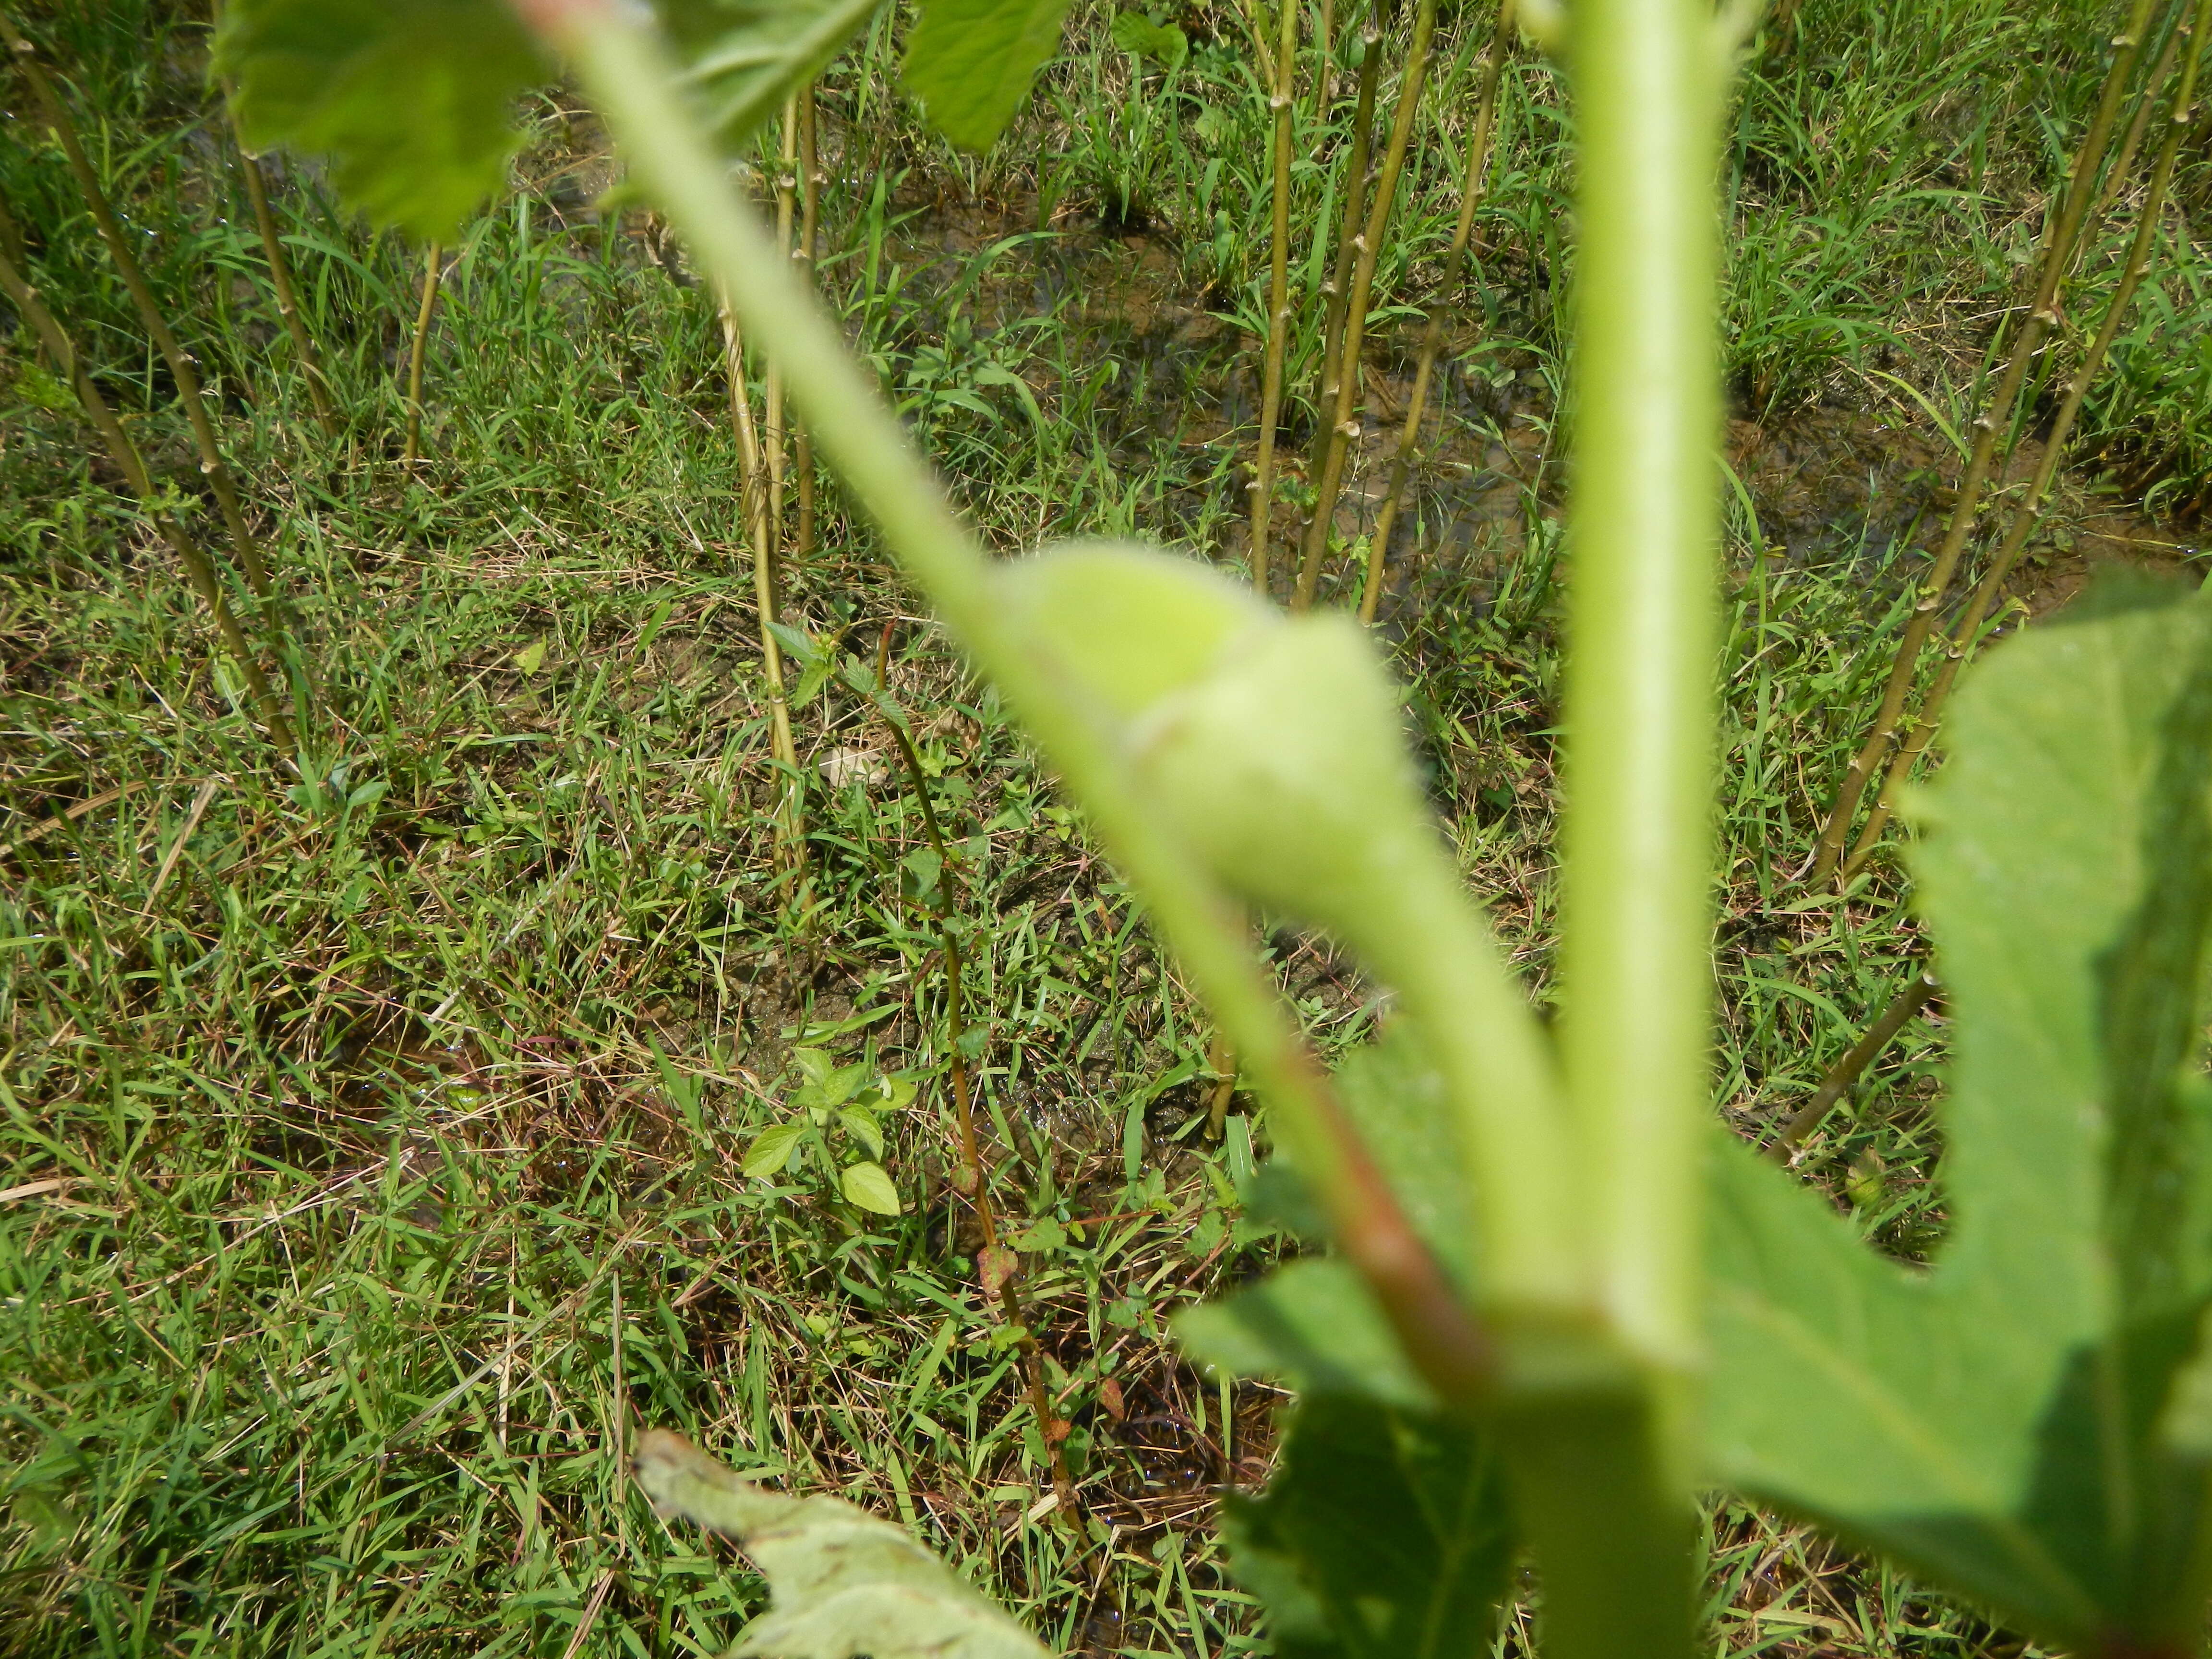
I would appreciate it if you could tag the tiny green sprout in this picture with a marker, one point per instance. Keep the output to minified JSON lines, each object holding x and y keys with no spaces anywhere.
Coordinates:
{"x":832,"y":1105}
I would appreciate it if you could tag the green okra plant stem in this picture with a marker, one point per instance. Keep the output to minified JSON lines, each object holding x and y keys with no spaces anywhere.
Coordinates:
{"x":179,"y":362}
{"x":1341,"y":423}
{"x":2027,"y":511}
{"x":1606,"y":1483}
{"x":1279,"y":101}
{"x":777,"y":423}
{"x":630,"y":76}
{"x":1642,"y":529}
{"x":198,"y":570}
{"x":2060,"y":233}
{"x":1432,"y":336}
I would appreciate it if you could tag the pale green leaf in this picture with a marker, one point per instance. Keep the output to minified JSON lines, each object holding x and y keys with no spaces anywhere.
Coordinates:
{"x":860,"y":1123}
{"x":531,"y":658}
{"x":867,"y":1186}
{"x":970,"y":61}
{"x":841,"y":1582}
{"x":772,"y":1149}
{"x":1315,"y":1325}
{"x":1137,"y":34}
{"x":412,"y":101}
{"x":1042,"y":1234}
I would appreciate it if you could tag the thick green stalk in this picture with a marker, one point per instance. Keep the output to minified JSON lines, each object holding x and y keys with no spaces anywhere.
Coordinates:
{"x":1432,"y":337}
{"x":2028,"y":511}
{"x":1278,"y":301}
{"x":2060,"y":233}
{"x":413,"y":450}
{"x":633,"y":81}
{"x":198,"y":570}
{"x":179,"y":361}
{"x":1642,"y":529}
{"x":1606,"y":1480}
{"x":1342,"y":426}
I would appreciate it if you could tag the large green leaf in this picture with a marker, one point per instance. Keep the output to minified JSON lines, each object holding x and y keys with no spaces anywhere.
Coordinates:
{"x":2001,"y":1423}
{"x":970,"y":61}
{"x":1384,"y":1534}
{"x":413,"y":100}
{"x":745,"y":56}
{"x":842,"y":1584}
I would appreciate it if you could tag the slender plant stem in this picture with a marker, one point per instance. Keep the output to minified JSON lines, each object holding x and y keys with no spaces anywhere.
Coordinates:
{"x":433,"y":262}
{"x":199,"y":571}
{"x":1325,"y":65}
{"x":759,"y":531}
{"x":1341,"y":425}
{"x":2057,"y":253}
{"x":181,"y":369}
{"x":1352,"y":207}
{"x":805,"y":252}
{"x":787,"y":178}
{"x":2029,"y":510}
{"x":1002,"y":1267}
{"x":1279,"y":300}
{"x":280,"y":266}
{"x":2124,"y":160}
{"x":1338,"y":282}
{"x":1432,"y":337}
{"x":628,"y":74}
{"x":1846,"y":1071}
{"x":288,"y":305}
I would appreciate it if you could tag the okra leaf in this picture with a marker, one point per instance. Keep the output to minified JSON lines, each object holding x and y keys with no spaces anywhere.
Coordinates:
{"x":970,"y":61}
{"x":2002,"y":1424}
{"x":1384,"y":1534}
{"x":413,"y":100}
{"x":745,"y":56}
{"x":1315,"y":1325}
{"x":842,"y":1584}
